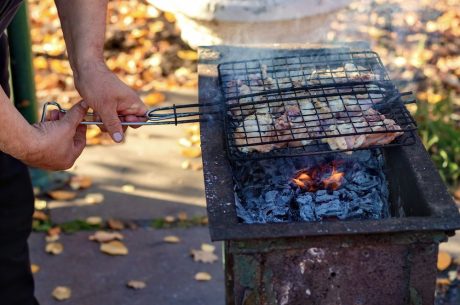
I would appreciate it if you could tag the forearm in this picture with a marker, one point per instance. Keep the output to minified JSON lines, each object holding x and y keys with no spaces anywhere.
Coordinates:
{"x":83,"y":24}
{"x":14,"y":129}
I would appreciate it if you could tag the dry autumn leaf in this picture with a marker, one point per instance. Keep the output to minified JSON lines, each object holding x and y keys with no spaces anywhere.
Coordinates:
{"x":191,"y":152}
{"x":94,"y":198}
{"x":40,"y":204}
{"x":185,"y":165}
{"x":444,"y":260}
{"x":62,"y":195}
{"x":128,"y":188}
{"x":115,"y":224}
{"x":102,"y":236}
{"x":54,"y":248}
{"x":34,"y":268}
{"x":171,"y":239}
{"x":182,"y":216}
{"x":114,"y":248}
{"x":40,"y":215}
{"x":208,"y":248}
{"x":51,"y":238}
{"x":443,"y":282}
{"x":136,"y":284}
{"x":94,"y":220}
{"x":62,"y":293}
{"x":80,"y":182}
{"x":54,"y":231}
{"x":154,"y":99}
{"x":204,"y":256}
{"x":169,"y":219}
{"x":203,"y":276}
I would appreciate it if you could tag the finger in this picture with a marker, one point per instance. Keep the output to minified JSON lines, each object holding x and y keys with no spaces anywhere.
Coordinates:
{"x":133,"y":118}
{"x":112,"y":124}
{"x":136,"y":106}
{"x":53,"y":115}
{"x":80,"y":138}
{"x":76,"y":114}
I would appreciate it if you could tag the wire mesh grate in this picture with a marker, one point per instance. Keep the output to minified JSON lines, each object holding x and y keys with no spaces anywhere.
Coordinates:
{"x":311,"y":104}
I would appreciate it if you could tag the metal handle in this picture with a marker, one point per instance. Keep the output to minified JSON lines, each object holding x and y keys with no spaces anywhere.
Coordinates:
{"x":154,"y":116}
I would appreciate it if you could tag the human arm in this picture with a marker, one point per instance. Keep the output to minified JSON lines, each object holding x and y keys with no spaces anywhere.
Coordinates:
{"x":83,"y":24}
{"x":53,"y":145}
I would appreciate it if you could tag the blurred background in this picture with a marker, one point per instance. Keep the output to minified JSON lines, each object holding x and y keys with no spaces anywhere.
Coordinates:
{"x":151,"y":45}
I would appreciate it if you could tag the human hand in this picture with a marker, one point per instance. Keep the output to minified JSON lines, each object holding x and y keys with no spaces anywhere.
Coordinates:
{"x":58,"y":142}
{"x":109,"y":97}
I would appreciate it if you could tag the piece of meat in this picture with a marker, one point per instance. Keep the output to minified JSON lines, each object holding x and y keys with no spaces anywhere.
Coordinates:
{"x":384,"y":131}
{"x":256,"y":128}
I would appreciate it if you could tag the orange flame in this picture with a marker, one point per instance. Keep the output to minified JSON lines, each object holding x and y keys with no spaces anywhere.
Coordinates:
{"x":334,"y":181}
{"x":313,"y":179}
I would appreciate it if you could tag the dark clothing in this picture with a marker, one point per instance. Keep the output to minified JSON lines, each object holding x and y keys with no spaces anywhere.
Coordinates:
{"x":8,"y":9}
{"x":16,"y":202}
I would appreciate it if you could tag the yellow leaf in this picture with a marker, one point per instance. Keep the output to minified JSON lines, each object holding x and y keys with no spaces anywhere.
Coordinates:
{"x":62,"y":293}
{"x":154,"y":99}
{"x":204,"y":256}
{"x":62,"y":195}
{"x":34,"y":268}
{"x":54,"y":248}
{"x":136,"y":284}
{"x":444,"y":260}
{"x":80,"y":182}
{"x":102,"y":236}
{"x":128,"y":188}
{"x":94,"y":220}
{"x":114,"y":248}
{"x":171,"y":239}
{"x":51,"y":238}
{"x":208,"y":248}
{"x":191,"y":152}
{"x":185,"y":165}
{"x":169,"y":219}
{"x":203,"y":276}
{"x":94,"y":198}
{"x":443,"y":282}
{"x":187,"y":55}
{"x":40,"y":204}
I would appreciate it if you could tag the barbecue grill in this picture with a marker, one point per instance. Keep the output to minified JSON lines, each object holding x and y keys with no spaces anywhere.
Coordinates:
{"x":295,"y":80}
{"x":385,"y":261}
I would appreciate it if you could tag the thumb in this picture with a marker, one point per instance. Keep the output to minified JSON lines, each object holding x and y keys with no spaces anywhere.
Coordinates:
{"x":76,"y":114}
{"x":112,"y":124}
{"x":80,"y":138}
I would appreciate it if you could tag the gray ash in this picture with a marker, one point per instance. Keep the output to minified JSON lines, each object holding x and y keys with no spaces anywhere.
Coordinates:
{"x":266,"y":192}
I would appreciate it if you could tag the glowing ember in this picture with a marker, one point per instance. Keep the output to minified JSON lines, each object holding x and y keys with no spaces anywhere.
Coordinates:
{"x":317,"y":178}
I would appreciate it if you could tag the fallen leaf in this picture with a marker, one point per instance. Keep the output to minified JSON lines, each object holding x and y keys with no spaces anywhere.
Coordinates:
{"x":115,"y":224}
{"x":80,"y":182}
{"x":54,"y":248}
{"x":94,"y":220}
{"x":54,"y":231}
{"x":208,"y":248}
{"x":182,"y":216}
{"x":34,"y":268}
{"x":128,"y":188}
{"x":51,"y":238}
{"x":203,"y":256}
{"x":191,"y":152}
{"x":40,"y":215}
{"x":171,"y":239}
{"x":114,"y":248}
{"x":62,"y":195}
{"x":196,"y":166}
{"x":102,"y":236}
{"x":187,"y":55}
{"x":94,"y":198}
{"x":185,"y":142}
{"x":444,"y":260}
{"x":62,"y":293}
{"x":185,"y":165}
{"x":154,"y":99}
{"x":203,"y":276}
{"x":136,"y":284}
{"x":169,"y":219}
{"x":452,"y":275}
{"x":442,"y":282}
{"x":40,"y":204}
